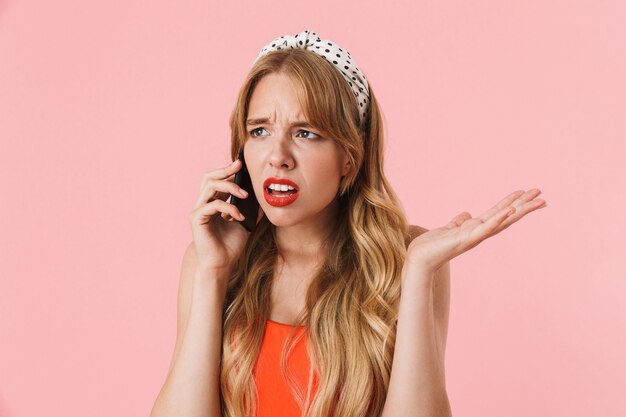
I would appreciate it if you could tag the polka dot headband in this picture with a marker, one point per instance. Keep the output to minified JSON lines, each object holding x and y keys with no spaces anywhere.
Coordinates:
{"x":332,"y":53}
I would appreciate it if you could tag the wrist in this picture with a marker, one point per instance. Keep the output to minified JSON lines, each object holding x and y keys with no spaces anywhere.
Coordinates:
{"x":418,"y":275}
{"x":205,"y":273}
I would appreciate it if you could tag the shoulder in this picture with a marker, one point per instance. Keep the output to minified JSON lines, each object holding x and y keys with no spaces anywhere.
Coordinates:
{"x":413,"y":232}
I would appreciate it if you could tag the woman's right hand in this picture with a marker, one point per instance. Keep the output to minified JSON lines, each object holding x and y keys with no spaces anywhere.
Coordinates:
{"x":218,"y":239}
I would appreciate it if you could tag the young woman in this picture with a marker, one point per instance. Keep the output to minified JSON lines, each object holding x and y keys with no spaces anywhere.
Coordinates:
{"x":333,"y":305}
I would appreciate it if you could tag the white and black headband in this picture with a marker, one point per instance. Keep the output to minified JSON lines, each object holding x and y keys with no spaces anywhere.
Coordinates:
{"x":330,"y":51}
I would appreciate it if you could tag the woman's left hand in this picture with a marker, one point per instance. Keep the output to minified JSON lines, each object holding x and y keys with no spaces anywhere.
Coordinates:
{"x":433,"y":248}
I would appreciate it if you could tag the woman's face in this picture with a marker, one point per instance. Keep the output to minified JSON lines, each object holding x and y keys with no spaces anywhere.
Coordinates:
{"x":277,"y":148}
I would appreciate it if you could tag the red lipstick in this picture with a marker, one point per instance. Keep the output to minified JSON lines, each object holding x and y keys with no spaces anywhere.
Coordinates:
{"x":276,"y":200}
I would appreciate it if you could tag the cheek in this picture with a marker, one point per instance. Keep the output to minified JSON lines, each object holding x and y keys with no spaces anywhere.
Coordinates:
{"x":326,"y":173}
{"x":252,"y":163}
{"x":251,"y":155}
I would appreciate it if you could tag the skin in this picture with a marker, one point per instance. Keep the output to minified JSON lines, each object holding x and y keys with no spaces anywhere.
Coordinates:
{"x":417,"y":382}
{"x":316,"y":164}
{"x":276,"y":148}
{"x":430,"y":250}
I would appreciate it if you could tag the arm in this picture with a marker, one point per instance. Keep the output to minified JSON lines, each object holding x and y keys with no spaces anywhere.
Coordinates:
{"x":192,"y":384}
{"x":417,"y":382}
{"x":441,"y":295}
{"x":441,"y":305}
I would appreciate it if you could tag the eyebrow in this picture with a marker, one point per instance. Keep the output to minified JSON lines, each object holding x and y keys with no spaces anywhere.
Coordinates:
{"x":266,"y":120}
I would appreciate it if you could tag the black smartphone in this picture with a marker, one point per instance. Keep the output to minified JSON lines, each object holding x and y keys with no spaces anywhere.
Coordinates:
{"x":249,"y":206}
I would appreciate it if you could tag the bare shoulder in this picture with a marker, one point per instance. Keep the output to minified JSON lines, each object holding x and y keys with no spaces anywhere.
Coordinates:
{"x":417,"y":230}
{"x":414,"y":231}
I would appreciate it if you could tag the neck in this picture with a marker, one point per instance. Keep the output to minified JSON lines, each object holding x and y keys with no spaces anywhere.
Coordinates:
{"x":304,"y":243}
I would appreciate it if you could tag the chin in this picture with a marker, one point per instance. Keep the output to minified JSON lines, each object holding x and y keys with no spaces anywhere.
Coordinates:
{"x":281,"y":220}
{"x":281,"y":217}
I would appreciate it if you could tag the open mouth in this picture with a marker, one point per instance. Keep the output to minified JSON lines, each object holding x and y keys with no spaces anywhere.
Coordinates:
{"x":280,"y":193}
{"x":278,"y":196}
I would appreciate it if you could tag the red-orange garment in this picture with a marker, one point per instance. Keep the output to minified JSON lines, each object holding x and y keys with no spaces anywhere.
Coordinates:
{"x":275,"y":398}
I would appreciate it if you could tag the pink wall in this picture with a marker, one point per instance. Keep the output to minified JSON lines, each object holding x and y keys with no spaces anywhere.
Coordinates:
{"x":111,"y":111}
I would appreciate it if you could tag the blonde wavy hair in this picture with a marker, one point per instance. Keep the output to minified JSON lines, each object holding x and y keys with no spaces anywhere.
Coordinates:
{"x":351,"y":304}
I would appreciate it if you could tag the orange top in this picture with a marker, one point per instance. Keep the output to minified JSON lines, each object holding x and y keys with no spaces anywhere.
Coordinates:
{"x":274,"y":396}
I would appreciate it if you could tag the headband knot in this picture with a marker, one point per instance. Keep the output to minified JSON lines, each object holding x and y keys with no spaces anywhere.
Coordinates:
{"x":329,"y":50}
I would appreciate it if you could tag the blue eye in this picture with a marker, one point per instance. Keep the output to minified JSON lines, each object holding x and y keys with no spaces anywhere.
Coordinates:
{"x":309,"y":133}
{"x":254,"y":130}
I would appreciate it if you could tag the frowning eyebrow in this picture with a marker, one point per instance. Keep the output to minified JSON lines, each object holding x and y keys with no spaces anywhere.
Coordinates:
{"x":266,"y":120}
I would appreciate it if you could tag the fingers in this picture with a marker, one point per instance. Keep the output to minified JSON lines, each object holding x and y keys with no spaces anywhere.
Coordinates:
{"x":515,"y":199}
{"x":499,"y":217}
{"x":259,"y":216}
{"x":465,"y":216}
{"x":509,"y":214}
{"x":526,"y":197}
{"x":522,"y":210}
{"x":221,"y":173}
{"x":219,"y":190}
{"x":214,"y":188}
{"x":524,"y":204}
{"x":217,"y":206}
{"x":224,"y":172}
{"x":458,"y":220}
{"x":490,"y":226}
{"x":505,"y":202}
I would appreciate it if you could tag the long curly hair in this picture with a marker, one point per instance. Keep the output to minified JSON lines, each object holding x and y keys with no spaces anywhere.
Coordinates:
{"x":351,"y":304}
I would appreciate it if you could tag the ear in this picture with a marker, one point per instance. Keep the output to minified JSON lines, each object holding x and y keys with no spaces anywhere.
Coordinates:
{"x":346,"y":166}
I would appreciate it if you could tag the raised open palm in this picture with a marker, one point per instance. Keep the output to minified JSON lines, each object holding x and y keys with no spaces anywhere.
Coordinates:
{"x":433,"y":248}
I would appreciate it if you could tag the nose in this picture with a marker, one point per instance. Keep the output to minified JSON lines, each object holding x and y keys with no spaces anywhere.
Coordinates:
{"x":280,"y":155}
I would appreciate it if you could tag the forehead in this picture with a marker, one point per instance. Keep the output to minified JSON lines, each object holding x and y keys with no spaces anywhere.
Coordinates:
{"x":276,"y":95}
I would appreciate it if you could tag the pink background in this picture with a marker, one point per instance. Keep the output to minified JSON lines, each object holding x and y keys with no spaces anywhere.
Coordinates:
{"x":110,"y":112}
